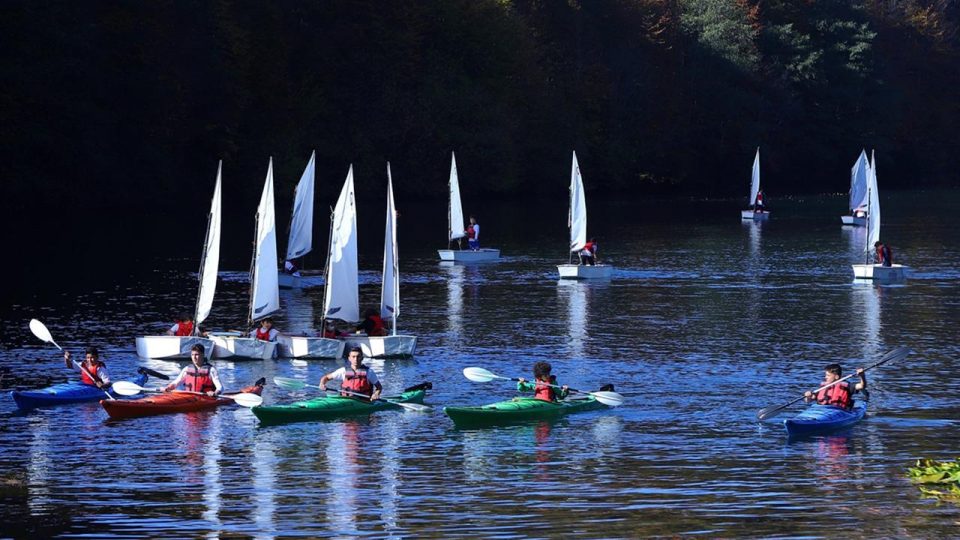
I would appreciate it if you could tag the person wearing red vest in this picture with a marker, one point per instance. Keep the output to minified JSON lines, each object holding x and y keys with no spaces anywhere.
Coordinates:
{"x":884,"y":254}
{"x":199,"y":377}
{"x":543,"y":385}
{"x":840,"y":394}
{"x":266,"y":332}
{"x":473,"y":234}
{"x":357,"y":378}
{"x":183,"y":327}
{"x":92,"y":371}
{"x":588,"y":254}
{"x":758,"y":204}
{"x":372,"y":324}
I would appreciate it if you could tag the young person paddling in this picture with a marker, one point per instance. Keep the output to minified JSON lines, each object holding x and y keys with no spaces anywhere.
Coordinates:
{"x":356,"y":378}
{"x":92,"y":371}
{"x":199,"y":377}
{"x":540,"y":385}
{"x":840,"y":394}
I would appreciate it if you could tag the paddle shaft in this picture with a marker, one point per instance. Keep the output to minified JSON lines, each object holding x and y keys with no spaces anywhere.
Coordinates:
{"x":92,"y":378}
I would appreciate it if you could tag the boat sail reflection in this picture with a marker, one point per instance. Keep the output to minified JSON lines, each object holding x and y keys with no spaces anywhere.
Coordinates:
{"x":576,"y":296}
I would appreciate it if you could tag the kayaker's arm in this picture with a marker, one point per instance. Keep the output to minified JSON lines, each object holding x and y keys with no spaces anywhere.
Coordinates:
{"x":173,"y":384}
{"x":215,"y":377}
{"x":862,"y":385}
{"x":524,"y":386}
{"x":377,"y":387}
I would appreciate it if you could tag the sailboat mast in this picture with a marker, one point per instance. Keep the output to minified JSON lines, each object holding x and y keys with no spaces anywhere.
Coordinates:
{"x":253,"y":272}
{"x":326,"y":273}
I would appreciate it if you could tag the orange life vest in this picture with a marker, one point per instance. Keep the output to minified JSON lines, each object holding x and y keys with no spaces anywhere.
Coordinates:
{"x":837,"y":395}
{"x":86,"y":379}
{"x":184,"y":329}
{"x":263,"y":335}
{"x":357,"y":381}
{"x":542,"y":391}
{"x":198,"y":380}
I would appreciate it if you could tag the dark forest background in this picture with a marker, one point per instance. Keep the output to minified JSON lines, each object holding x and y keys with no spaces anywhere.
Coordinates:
{"x":132,"y":103}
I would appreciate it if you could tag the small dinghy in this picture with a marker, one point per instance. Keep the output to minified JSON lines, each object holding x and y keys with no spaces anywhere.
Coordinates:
{"x":455,"y":228}
{"x":879,"y":273}
{"x":577,"y":222}
{"x":754,"y":214}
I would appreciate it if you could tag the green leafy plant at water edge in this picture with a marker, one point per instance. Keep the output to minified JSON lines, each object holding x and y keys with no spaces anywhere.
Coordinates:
{"x":944,"y":474}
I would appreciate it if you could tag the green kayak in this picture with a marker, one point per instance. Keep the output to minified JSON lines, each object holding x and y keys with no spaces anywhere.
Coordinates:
{"x":328,"y":407}
{"x":520,"y":409}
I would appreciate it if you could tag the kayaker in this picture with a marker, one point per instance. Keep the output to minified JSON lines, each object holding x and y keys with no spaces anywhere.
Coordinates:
{"x":199,"y":377}
{"x":266,"y":332}
{"x":183,"y":327}
{"x":92,"y":370}
{"x":356,"y":378}
{"x":540,"y":385}
{"x":840,"y":394}
{"x":372,"y":324}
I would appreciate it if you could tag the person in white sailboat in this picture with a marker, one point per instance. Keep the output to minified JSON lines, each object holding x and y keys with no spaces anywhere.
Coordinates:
{"x":290,"y":268}
{"x":199,"y":377}
{"x":266,"y":332}
{"x":473,"y":234}
{"x":372,"y":324}
{"x":183,"y":326}
{"x":884,"y":254}
{"x":588,"y":255}
{"x":758,"y":204}
{"x":356,"y":378}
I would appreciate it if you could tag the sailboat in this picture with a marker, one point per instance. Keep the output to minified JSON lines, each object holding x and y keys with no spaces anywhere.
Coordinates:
{"x":393,"y":345}
{"x":577,"y":221}
{"x":455,"y":228}
{"x":762,"y":215}
{"x":300,"y":241}
{"x":264,"y":291}
{"x":876,"y":272}
{"x":858,"y":193}
{"x":179,"y":346}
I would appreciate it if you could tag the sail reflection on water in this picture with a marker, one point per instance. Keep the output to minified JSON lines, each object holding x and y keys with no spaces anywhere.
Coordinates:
{"x":576,"y":296}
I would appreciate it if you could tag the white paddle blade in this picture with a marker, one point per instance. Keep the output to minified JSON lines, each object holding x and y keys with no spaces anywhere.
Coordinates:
{"x":418,"y":407}
{"x":247,"y":400}
{"x":288,"y":383}
{"x":41,"y":332}
{"x":478,"y":374}
{"x":127,"y":388}
{"x":610,"y":399}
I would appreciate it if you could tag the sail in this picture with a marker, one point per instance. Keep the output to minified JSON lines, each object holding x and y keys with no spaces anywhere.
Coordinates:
{"x":873,"y":210}
{"x":755,"y":179}
{"x":264,"y":290}
{"x":341,"y":297}
{"x":577,"y":220}
{"x":211,"y":257}
{"x":301,"y":224}
{"x":390,"y":296}
{"x":858,"y":183}
{"x":455,"y":213}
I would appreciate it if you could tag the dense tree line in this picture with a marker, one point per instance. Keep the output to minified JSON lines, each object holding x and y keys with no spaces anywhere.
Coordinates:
{"x":130,"y":103}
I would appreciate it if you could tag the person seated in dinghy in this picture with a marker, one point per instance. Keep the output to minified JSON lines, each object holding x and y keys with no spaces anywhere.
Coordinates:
{"x":473,"y":234}
{"x":372,"y":324}
{"x":884,"y":254}
{"x":93,"y":372}
{"x":266,"y":331}
{"x":758,"y":204}
{"x":356,"y":378}
{"x":540,"y":385}
{"x":588,"y":255}
{"x":840,"y":394}
{"x":183,"y":326}
{"x":199,"y":377}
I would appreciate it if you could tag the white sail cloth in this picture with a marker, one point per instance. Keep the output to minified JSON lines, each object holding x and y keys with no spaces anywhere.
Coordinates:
{"x":455,"y":221}
{"x":390,"y":295}
{"x":211,"y":255}
{"x":300,"y":241}
{"x":873,"y":210}
{"x":858,"y":183}
{"x":265,"y":291}
{"x":577,"y":220}
{"x":755,"y":179}
{"x":341,"y":291}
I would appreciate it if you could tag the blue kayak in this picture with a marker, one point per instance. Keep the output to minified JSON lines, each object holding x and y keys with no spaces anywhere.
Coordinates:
{"x":821,"y":418}
{"x":61,"y":394}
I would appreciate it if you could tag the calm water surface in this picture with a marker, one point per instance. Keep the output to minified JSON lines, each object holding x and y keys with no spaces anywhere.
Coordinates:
{"x":705,"y":321}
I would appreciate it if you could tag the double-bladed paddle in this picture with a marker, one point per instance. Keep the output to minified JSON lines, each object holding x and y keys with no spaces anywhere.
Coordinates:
{"x":897,"y":354}
{"x":40,"y":330}
{"x":296,"y":384}
{"x":127,"y":388}
{"x":478,"y":374}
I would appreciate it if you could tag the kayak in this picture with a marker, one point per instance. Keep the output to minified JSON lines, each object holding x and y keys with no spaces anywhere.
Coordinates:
{"x":820,"y":418}
{"x":173,"y":402}
{"x":520,"y":409}
{"x":61,"y":394}
{"x":329,"y":407}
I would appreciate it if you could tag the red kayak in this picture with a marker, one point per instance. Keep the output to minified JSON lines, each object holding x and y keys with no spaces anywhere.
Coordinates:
{"x":174,"y":402}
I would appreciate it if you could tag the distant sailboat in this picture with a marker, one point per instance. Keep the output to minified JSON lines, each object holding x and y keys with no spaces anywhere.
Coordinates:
{"x":753,"y":214}
{"x":179,"y":346}
{"x":264,"y":290}
{"x":858,"y":193}
{"x":876,"y":272}
{"x":300,"y":241}
{"x":577,"y":222}
{"x":455,"y":226}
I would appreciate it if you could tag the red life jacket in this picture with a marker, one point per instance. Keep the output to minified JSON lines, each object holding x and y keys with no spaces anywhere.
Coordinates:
{"x":544,"y":392}
{"x":591,"y":247}
{"x":263,"y":335}
{"x":379,"y":329}
{"x":760,"y":198}
{"x":198,"y":380}
{"x":356,"y":381}
{"x":471,"y":233}
{"x":837,"y":395}
{"x":330,"y":334}
{"x":887,"y":255}
{"x":184,"y":329}
{"x":86,"y":379}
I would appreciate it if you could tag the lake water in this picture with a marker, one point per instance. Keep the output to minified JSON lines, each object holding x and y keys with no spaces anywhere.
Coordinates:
{"x":705,"y":321}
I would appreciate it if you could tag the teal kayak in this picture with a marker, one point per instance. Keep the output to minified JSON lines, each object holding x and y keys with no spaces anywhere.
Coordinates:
{"x":329,"y":407}
{"x":520,"y":409}
{"x":822,"y":418}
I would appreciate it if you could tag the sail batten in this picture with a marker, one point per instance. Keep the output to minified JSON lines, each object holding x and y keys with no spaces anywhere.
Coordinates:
{"x":265,"y":290}
{"x":211,"y":256}
{"x":390,"y":295}
{"x":300,"y":241}
{"x":578,"y":208}
{"x":341,"y":290}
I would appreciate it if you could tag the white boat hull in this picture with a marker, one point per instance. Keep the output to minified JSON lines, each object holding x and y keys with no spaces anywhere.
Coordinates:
{"x":756,"y":216}
{"x":584,"y":271}
{"x":854,"y":221}
{"x":287,"y":281}
{"x":469,"y":255}
{"x":243,"y":347}
{"x":877,"y":272}
{"x":383,"y":346}
{"x":310,"y":347}
{"x":173,"y":347}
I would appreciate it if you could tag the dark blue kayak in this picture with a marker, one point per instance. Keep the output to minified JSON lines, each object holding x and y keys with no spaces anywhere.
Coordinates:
{"x":61,"y":394}
{"x":822,"y":418}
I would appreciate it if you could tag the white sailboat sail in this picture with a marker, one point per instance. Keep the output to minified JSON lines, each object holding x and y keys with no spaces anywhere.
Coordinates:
{"x":211,"y":257}
{"x":577,"y":220}
{"x":301,"y":223}
{"x":341,"y":291}
{"x":455,"y":221}
{"x":265,"y":291}
{"x":390,"y":295}
{"x":755,"y":179}
{"x":858,"y":183}
{"x":873,"y":210}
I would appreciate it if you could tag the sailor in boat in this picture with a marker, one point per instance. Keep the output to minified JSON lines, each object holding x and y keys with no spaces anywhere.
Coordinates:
{"x":758,"y":204}
{"x":540,"y":386}
{"x":289,"y":267}
{"x":473,"y":234}
{"x":93,"y":372}
{"x":183,"y":326}
{"x":266,"y":331}
{"x":840,"y":394}
{"x":199,"y":377}
{"x":372,"y":324}
{"x":588,"y":255}
{"x":356,"y":377}
{"x":884,"y":254}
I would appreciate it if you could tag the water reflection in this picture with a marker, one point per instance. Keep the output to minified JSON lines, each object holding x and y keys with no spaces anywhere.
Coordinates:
{"x":264,"y":483}
{"x":576,"y":296}
{"x":212,"y":456}
{"x":298,"y":309}
{"x":865,"y":301}
{"x":454,"y":274}
{"x":342,"y":450}
{"x":38,"y":468}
